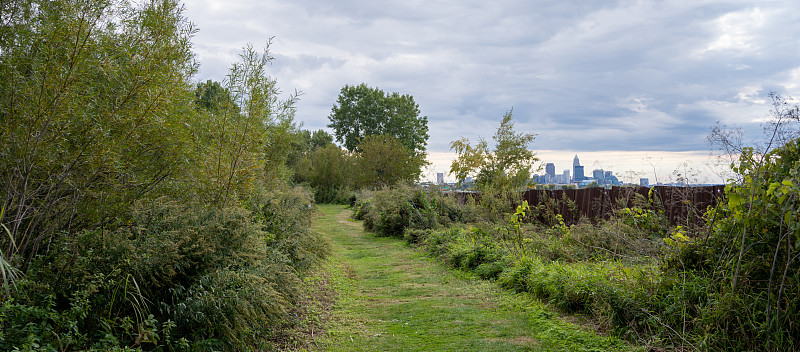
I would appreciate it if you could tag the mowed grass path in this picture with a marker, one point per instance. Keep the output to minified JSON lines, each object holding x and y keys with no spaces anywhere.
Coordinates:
{"x":390,"y":297}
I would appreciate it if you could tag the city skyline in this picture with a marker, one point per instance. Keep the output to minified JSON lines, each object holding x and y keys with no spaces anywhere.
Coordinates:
{"x":660,"y":73}
{"x":629,"y":167}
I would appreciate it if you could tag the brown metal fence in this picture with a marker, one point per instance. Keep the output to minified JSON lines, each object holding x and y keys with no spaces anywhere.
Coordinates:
{"x":682,"y":205}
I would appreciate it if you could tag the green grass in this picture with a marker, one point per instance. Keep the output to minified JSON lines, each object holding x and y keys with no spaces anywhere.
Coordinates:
{"x":390,"y":297}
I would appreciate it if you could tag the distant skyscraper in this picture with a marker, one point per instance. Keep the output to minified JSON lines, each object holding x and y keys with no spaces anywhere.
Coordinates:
{"x":610,"y":178}
{"x":440,"y":178}
{"x":599,"y":175}
{"x":550,"y":169}
{"x":565,"y":177}
{"x":577,"y":170}
{"x":644,"y":182}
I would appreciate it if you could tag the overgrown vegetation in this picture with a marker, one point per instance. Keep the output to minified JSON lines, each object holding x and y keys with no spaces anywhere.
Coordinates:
{"x":140,"y":211}
{"x":729,"y":285}
{"x":384,"y":142}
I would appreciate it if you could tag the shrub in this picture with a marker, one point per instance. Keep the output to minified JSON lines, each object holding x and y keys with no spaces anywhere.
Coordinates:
{"x":176,"y":275}
{"x":391,"y":211}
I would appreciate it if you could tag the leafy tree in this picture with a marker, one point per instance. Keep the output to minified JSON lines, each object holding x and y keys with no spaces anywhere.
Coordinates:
{"x":385,"y":161}
{"x":320,"y":139}
{"x":330,"y":171}
{"x":211,"y":96}
{"x":92,"y":95}
{"x":508,"y":167}
{"x":361,"y":111}
{"x":243,"y":132}
{"x":303,"y":144}
{"x":137,"y":210}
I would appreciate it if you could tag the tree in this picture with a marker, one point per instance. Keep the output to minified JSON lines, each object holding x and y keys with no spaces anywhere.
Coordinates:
{"x":320,"y":139}
{"x":211,"y":96}
{"x":508,"y":167}
{"x":243,"y":132}
{"x":385,"y":161}
{"x":92,"y":96}
{"x":330,"y":171}
{"x":361,"y":111}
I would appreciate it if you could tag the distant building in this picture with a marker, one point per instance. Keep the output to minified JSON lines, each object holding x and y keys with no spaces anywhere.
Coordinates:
{"x":439,"y":178}
{"x":610,"y":179}
{"x":550,"y":170}
{"x":599,"y":175}
{"x":644,"y":182}
{"x":563,"y":179}
{"x":579,"y":175}
{"x":577,"y":170}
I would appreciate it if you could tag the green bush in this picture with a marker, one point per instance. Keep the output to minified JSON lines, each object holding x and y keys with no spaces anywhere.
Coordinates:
{"x":393,"y":211}
{"x":390,"y":211}
{"x":746,"y":267}
{"x":619,"y":296}
{"x":176,"y":275}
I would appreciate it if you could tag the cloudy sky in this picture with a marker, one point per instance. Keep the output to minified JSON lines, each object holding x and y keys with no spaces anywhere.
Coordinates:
{"x":631,"y":86}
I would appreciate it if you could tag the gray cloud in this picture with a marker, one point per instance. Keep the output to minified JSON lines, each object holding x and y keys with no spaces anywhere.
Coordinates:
{"x":583,"y":75}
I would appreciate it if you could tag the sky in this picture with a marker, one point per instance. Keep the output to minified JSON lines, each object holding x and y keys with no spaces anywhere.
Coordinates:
{"x":629,"y":86}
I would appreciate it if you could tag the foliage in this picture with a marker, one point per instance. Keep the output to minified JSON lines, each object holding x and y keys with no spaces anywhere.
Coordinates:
{"x":329,"y":171}
{"x":210,"y":274}
{"x":652,"y":222}
{"x":211,"y":96}
{"x":334,"y":173}
{"x":750,"y":257}
{"x":361,"y":111}
{"x":136,"y":214}
{"x":384,"y":161}
{"x":506,"y":168}
{"x":90,"y":97}
{"x":395,"y":211}
{"x":243,"y":145}
{"x":615,"y":294}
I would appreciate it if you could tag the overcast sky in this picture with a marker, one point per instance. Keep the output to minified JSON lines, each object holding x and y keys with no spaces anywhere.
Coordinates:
{"x":636,"y":78}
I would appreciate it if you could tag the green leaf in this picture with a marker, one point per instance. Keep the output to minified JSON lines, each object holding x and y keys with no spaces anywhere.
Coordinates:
{"x":735,"y":200}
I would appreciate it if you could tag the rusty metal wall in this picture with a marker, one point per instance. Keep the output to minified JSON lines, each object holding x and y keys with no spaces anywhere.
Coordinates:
{"x":682,"y":205}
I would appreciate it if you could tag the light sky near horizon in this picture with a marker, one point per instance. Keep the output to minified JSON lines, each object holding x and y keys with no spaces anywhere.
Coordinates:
{"x":629,"y":86}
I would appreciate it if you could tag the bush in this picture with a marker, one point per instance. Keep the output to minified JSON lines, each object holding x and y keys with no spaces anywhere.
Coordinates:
{"x":393,"y":211}
{"x":177,"y":275}
{"x":746,"y":267}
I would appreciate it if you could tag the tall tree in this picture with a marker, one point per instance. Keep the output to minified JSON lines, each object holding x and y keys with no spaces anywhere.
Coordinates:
{"x":243,"y":131}
{"x":361,"y":111}
{"x":91,"y":93}
{"x":507,"y":167}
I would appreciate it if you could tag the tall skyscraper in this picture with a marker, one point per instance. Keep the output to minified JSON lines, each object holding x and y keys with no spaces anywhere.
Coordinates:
{"x":577,"y":170}
{"x":439,"y":178}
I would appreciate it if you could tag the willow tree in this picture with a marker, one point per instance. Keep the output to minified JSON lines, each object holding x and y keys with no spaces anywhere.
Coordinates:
{"x":243,"y":131}
{"x":90,"y":94}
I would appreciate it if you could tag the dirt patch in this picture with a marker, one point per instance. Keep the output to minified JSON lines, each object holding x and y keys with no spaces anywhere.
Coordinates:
{"x":344,"y":218}
{"x":519,"y":341}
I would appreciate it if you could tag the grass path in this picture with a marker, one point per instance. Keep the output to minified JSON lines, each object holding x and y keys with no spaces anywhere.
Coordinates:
{"x":393,"y":298}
